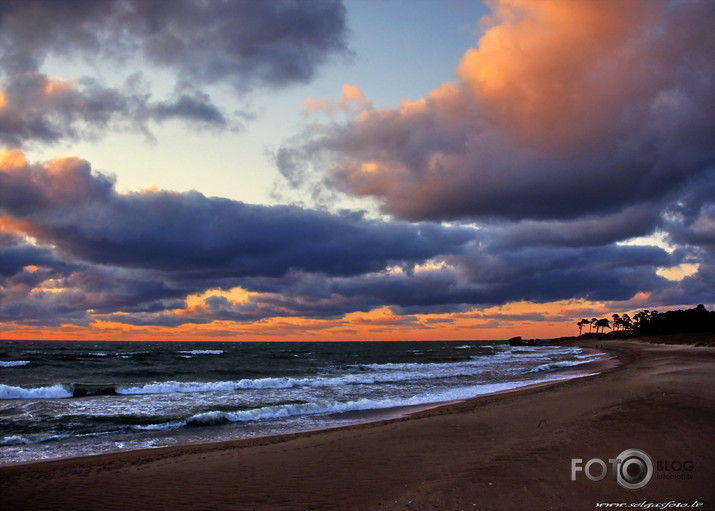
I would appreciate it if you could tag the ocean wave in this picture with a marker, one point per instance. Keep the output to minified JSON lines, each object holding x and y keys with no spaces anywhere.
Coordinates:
{"x":202,"y":352}
{"x":330,"y":407}
{"x":364,"y":374}
{"x":362,"y":378}
{"x":177,"y":387}
{"x":14,"y":363}
{"x":160,"y":427}
{"x":475,"y":361}
{"x":369,"y":374}
{"x":422,"y":367}
{"x":180,"y":387}
{"x":558,"y":365}
{"x":49,"y":392}
{"x":13,"y":440}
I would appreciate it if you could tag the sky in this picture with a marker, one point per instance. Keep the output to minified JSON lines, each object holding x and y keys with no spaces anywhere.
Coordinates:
{"x":352,"y":170}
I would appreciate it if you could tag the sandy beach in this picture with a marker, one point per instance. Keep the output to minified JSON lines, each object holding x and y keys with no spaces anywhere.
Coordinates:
{"x":509,"y":451}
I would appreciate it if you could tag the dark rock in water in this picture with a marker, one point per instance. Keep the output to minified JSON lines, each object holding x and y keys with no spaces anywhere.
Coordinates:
{"x":88,"y":389}
{"x":518,"y":341}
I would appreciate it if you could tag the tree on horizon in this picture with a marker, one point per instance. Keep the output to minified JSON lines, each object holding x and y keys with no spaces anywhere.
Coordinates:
{"x":616,"y":321}
{"x":602,"y":324}
{"x":651,"y":322}
{"x":581,"y":324}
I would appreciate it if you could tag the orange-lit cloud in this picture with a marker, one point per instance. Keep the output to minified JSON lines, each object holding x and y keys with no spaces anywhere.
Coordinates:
{"x":352,"y":99}
{"x":58,"y":85}
{"x":236,"y":295}
{"x":679,"y":272}
{"x":12,"y":159}
{"x":556,"y":73}
{"x":557,"y":98}
{"x":526,"y":319}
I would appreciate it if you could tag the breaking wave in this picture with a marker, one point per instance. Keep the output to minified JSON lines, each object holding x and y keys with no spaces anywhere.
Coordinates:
{"x":329,"y":407}
{"x":14,"y":363}
{"x":202,"y":352}
{"x":49,"y":392}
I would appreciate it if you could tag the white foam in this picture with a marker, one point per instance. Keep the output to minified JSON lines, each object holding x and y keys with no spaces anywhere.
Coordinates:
{"x":15,"y":440}
{"x":558,"y":365}
{"x":202,"y":352}
{"x":51,"y":392}
{"x":14,"y":363}
{"x":422,"y":368}
{"x":399,"y":373}
{"x":330,"y":407}
{"x":21,"y":440}
{"x":162,"y":426}
{"x":369,"y":374}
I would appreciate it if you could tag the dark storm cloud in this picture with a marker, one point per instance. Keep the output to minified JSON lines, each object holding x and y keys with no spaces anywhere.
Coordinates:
{"x":246,"y":44}
{"x":691,"y":220}
{"x":592,"y":230}
{"x":143,"y":253}
{"x":480,"y":275}
{"x":44,"y":109}
{"x":38,"y":288}
{"x":274,"y":42}
{"x":218,"y":308}
{"x":15,"y":255}
{"x":64,"y":204}
{"x":487,"y":278}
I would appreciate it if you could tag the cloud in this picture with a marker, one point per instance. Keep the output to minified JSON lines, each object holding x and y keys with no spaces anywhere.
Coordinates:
{"x":591,"y":230}
{"x":74,"y":250}
{"x":485,"y":276}
{"x":244,"y":44}
{"x":352,"y":100}
{"x":37,"y":288}
{"x":564,"y":110}
{"x":47,"y":109}
{"x":691,"y":220}
{"x":471,"y":280}
{"x":571,"y":127}
{"x":63,"y":203}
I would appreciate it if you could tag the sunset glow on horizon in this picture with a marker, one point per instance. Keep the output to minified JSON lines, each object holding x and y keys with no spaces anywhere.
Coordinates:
{"x":179,"y":173}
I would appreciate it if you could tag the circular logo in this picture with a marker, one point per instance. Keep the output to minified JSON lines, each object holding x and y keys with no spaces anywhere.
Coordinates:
{"x":635,"y":469}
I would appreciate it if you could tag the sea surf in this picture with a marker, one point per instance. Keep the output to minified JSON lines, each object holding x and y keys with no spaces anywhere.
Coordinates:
{"x":67,"y":399}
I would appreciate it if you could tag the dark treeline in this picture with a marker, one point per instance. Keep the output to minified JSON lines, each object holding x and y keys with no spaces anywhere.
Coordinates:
{"x":648,"y":322}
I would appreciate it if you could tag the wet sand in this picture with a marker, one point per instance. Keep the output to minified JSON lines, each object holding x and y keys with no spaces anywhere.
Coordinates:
{"x":510,"y":451}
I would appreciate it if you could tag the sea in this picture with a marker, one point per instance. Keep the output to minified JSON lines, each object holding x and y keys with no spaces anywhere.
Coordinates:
{"x":68,"y":399}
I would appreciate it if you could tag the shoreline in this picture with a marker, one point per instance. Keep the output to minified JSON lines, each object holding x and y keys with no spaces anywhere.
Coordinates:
{"x":506,"y":450}
{"x":369,"y":416}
